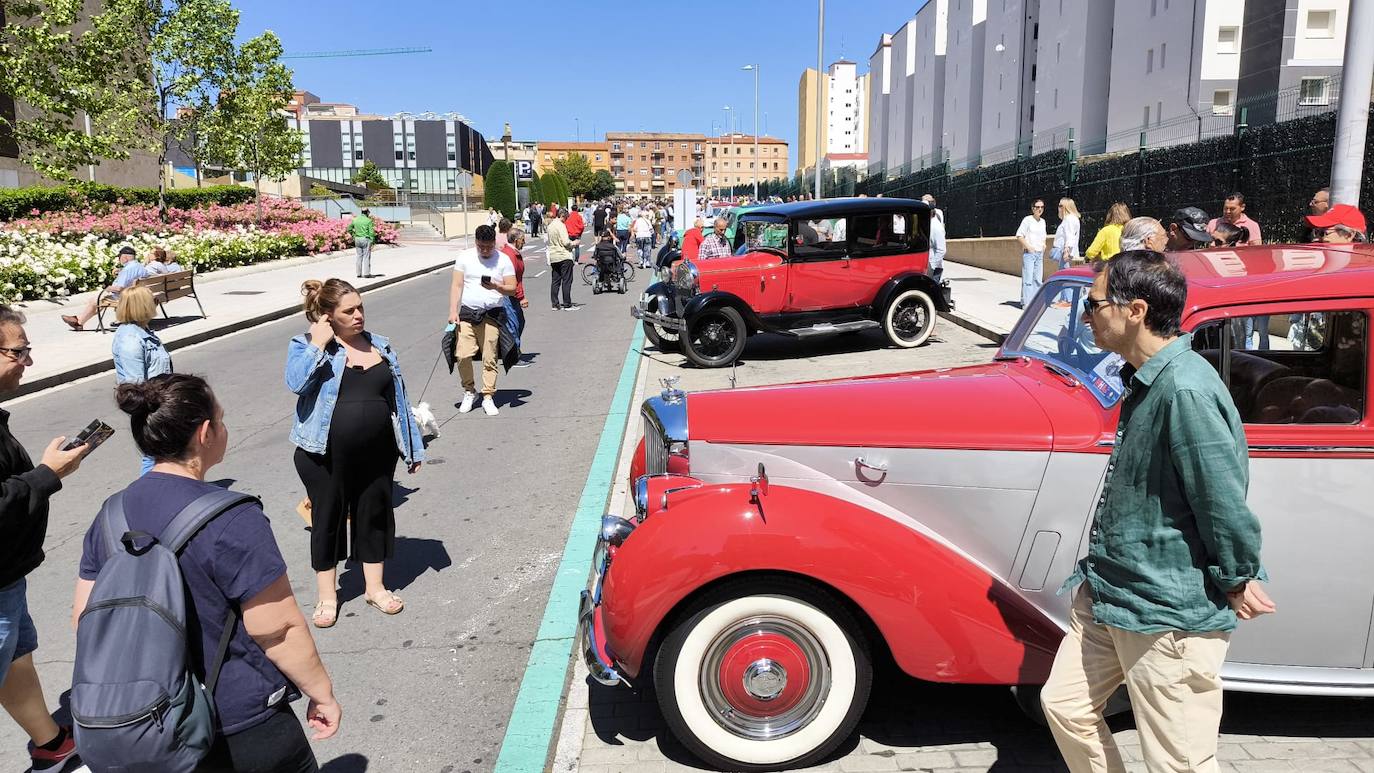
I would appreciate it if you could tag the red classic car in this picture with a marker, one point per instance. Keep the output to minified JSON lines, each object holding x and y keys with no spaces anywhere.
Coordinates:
{"x":934,"y":515}
{"x":803,"y":269}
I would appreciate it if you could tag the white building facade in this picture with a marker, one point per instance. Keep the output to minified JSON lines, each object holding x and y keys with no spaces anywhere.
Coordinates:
{"x":879,"y":88}
{"x":964,"y":60}
{"x":846,"y":119}
{"x":929,"y":73}
{"x":1073,"y":73}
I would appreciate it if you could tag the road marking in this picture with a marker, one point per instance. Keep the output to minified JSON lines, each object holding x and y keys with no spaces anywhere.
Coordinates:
{"x":541,"y":273}
{"x":530,"y":730}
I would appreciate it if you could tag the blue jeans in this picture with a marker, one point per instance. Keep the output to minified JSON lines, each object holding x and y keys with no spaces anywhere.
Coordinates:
{"x":622,"y":239}
{"x":18,"y":637}
{"x":363,"y":263}
{"x":645,"y":245}
{"x":1032,"y":275}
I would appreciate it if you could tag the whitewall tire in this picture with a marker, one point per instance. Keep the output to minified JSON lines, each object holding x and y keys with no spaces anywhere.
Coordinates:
{"x":909,"y":319}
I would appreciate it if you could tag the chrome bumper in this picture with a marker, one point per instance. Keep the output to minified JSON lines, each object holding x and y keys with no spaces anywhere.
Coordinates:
{"x":593,"y":647}
{"x":638,"y":311}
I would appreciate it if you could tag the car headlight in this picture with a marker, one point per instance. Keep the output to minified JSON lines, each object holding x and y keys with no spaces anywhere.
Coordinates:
{"x":688,"y":278}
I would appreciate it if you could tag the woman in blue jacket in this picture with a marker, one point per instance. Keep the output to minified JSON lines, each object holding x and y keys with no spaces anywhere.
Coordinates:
{"x":353,"y":423}
{"x":138,"y":352}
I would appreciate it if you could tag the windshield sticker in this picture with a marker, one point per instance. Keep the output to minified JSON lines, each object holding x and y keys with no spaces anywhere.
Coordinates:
{"x":1106,"y":377}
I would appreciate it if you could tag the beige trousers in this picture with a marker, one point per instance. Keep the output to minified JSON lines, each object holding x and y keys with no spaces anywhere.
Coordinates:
{"x":487,"y":337}
{"x":1173,"y":682}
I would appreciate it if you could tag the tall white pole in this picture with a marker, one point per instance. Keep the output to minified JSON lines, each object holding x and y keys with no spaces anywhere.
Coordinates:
{"x":756,"y":133}
{"x":1352,"y":116}
{"x":820,"y":70}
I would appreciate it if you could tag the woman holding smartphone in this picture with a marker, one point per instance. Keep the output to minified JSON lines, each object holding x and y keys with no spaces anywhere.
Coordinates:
{"x":353,"y":422}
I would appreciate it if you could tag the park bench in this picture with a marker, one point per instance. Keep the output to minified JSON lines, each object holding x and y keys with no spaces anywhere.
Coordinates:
{"x":165,"y":287}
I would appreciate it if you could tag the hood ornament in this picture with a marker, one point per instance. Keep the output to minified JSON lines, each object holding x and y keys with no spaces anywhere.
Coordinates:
{"x":671,"y":394}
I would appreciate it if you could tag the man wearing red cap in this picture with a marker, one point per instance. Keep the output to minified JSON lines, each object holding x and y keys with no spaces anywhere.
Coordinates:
{"x":1341,"y":224}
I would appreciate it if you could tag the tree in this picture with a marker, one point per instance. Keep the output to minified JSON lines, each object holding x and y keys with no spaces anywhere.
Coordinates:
{"x":498,"y":190}
{"x":555,"y":189}
{"x":536,"y":188}
{"x":603,"y":185}
{"x":577,"y":172}
{"x":368,"y":174}
{"x":251,"y":131}
{"x":60,"y":77}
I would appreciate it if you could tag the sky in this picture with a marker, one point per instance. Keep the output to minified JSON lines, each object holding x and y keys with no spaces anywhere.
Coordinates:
{"x":564,"y":70}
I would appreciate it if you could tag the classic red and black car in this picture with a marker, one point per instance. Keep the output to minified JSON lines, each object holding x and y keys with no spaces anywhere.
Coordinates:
{"x":803,"y":269}
{"x":936,"y":516}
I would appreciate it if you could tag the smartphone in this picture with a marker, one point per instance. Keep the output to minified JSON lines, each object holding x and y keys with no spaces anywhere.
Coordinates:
{"x":92,"y":436}
{"x":486,"y":279}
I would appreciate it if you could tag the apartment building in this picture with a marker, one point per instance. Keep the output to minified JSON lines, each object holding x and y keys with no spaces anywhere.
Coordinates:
{"x":647,"y":163}
{"x":928,"y":84}
{"x":730,"y":161}
{"x":427,"y":156}
{"x":880,"y":86}
{"x":1072,"y":75}
{"x":1009,"y":74}
{"x":843,"y":129}
{"x":598,"y":154}
{"x":962,"y":134}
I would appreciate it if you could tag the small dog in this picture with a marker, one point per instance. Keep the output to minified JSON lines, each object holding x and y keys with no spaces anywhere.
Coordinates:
{"x":429,"y":426}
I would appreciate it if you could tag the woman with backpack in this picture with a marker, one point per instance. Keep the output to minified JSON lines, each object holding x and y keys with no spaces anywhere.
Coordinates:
{"x":239,"y":597}
{"x":353,"y":423}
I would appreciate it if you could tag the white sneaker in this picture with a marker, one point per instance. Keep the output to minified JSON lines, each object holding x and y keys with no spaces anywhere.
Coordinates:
{"x":468,"y":399}
{"x":489,"y":405}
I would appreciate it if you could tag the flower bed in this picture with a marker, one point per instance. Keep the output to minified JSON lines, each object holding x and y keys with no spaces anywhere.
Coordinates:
{"x":62,"y":253}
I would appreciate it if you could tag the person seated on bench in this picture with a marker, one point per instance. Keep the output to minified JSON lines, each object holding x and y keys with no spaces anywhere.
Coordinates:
{"x":129,"y":276}
{"x":161,"y":263}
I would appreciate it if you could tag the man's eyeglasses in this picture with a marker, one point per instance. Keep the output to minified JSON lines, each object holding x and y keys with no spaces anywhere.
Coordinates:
{"x":17,"y":353}
{"x":1091,"y":304}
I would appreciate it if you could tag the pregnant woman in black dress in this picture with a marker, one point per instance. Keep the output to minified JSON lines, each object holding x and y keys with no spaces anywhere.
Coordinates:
{"x":353,"y":424}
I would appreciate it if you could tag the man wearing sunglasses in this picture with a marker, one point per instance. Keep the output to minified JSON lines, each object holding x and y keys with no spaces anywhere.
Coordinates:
{"x":1341,"y":224}
{"x":1173,"y":556}
{"x":24,"y":493}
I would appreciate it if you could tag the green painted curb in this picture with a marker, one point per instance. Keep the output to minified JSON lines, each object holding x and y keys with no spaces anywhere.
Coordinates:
{"x":529,"y":733}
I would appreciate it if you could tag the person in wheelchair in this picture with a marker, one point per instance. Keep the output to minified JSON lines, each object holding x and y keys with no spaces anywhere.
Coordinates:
{"x":610,"y":275}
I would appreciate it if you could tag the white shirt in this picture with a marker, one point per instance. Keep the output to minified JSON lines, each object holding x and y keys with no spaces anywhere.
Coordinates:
{"x":1066,"y":236}
{"x":474,"y":267}
{"x":1033,"y":231}
{"x":634,"y":212}
{"x":642,"y":228}
{"x":937,"y":243}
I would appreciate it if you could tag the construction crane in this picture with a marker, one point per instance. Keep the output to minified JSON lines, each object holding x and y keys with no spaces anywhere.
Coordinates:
{"x":356,"y":52}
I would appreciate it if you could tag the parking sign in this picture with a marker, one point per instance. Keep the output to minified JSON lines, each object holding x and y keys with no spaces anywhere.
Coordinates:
{"x":524,"y":170}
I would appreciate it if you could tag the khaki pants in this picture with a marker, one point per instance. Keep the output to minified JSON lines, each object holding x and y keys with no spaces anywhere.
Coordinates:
{"x":1172,"y":681}
{"x":487,"y":337}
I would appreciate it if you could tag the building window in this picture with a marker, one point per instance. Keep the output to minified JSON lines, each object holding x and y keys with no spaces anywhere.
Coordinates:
{"x":1313,"y":91}
{"x":452,"y":156}
{"x":1227,"y":40}
{"x":1321,"y":24}
{"x":1163,"y":55}
{"x":400,"y":155}
{"x":1147,"y":117}
{"x":1221,"y":102}
{"x":1149,"y":61}
{"x":598,"y":156}
{"x":629,"y":144}
{"x":358,"y":154}
{"x":615,"y":146}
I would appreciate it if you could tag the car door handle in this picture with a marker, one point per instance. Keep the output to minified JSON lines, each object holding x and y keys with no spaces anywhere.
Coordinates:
{"x":867,"y":465}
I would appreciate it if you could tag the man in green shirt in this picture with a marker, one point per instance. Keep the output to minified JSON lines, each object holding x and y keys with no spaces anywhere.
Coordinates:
{"x":364,"y":234}
{"x":1174,"y":552}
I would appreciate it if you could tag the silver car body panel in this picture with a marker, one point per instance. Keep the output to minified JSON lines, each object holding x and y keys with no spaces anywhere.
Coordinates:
{"x":1025,"y":516}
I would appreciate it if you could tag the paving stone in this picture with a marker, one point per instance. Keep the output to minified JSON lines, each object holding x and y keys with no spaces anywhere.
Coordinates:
{"x":1233,"y":752}
{"x":1260,"y":766}
{"x":924,"y":760}
{"x":1313,"y":749}
{"x":977,"y":757}
{"x":864,"y":763}
{"x":604,"y":754}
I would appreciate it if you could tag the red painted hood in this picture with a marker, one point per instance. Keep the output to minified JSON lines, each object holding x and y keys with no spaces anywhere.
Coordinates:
{"x":750,"y":263}
{"x":978,"y":407}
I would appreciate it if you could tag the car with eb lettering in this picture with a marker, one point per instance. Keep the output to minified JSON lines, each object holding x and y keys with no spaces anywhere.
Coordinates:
{"x":933,"y":516}
{"x":804,"y":269}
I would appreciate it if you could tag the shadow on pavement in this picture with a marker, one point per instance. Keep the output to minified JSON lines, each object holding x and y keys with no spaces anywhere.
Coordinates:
{"x":915,"y":716}
{"x":511,"y":398}
{"x":348,"y":763}
{"x":413,"y":558}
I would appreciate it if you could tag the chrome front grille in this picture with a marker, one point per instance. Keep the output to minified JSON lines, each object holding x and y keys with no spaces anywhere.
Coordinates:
{"x":655,"y":450}
{"x":665,"y":431}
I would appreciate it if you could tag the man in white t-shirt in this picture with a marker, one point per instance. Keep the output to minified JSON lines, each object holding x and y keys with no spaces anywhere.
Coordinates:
{"x":482,"y":277}
{"x":1031,"y":235}
{"x":643,"y":231}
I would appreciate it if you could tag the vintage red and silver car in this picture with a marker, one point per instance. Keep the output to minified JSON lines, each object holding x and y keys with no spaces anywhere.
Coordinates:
{"x":784,"y":537}
{"x":806,"y":269}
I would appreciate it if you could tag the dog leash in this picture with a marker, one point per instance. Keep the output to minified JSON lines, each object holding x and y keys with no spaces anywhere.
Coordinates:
{"x":432,"y":370}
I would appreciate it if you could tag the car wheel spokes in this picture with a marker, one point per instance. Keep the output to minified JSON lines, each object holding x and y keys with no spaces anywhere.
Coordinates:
{"x":764,"y":678}
{"x":909,"y":319}
{"x":716,"y":337}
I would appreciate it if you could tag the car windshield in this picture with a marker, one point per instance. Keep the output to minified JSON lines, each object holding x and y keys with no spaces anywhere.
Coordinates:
{"x":1052,"y":330}
{"x":763,"y":235}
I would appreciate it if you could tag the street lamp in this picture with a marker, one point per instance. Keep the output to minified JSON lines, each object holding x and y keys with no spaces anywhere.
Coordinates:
{"x":729,"y":127}
{"x":755,"y":68}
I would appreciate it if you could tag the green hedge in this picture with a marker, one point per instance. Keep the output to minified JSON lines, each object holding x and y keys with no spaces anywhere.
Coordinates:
{"x":21,"y":202}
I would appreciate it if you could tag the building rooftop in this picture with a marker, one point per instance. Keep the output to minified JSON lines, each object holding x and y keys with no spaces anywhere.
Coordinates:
{"x":749,"y":138}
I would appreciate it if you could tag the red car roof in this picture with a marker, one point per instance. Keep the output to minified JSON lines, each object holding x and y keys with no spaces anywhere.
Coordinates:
{"x":1278,"y":272}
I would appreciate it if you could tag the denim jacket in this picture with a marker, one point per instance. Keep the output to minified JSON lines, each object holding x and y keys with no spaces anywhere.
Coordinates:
{"x":315,"y":376}
{"x":138,"y":354}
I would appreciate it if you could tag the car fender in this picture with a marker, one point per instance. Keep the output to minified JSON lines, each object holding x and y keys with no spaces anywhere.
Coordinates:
{"x":944,"y":617}
{"x":639,"y":463}
{"x":912,"y":280}
{"x":703,"y":302}
{"x":663,"y":292}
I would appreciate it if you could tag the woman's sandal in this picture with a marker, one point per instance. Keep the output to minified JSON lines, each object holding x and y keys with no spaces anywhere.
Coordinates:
{"x":326,"y":614}
{"x":393,"y":604}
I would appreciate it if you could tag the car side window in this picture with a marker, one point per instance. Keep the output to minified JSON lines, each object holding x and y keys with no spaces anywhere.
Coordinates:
{"x":819,"y":238}
{"x":880,"y":234}
{"x":1300,"y":368}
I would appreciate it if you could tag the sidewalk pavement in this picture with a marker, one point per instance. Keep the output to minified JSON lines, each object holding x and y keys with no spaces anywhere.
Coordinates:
{"x":234,"y":299}
{"x":985,"y":302}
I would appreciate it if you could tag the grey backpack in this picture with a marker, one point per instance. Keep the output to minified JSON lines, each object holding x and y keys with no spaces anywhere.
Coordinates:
{"x":136,"y":701}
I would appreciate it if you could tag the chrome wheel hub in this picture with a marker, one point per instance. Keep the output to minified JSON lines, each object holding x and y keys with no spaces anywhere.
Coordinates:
{"x":765,"y":680}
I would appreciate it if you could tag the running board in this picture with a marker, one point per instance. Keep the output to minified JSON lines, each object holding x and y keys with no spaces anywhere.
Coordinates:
{"x":829,"y":328}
